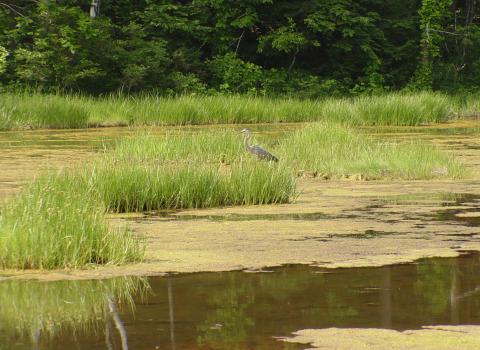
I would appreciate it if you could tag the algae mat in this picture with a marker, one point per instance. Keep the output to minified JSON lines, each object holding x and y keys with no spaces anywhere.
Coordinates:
{"x":330,"y":224}
{"x":428,"y":338}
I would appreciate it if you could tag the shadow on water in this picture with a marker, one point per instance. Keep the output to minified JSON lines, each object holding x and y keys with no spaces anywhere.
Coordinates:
{"x":173,"y":216}
{"x":237,"y":310}
{"x":468,"y":216}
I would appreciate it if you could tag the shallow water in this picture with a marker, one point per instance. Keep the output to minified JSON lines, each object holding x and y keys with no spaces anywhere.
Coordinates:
{"x":331,"y":224}
{"x":238,"y":310}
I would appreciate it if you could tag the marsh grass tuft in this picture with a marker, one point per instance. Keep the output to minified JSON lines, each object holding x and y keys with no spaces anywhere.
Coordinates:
{"x":70,"y":111}
{"x":185,"y":170}
{"x":335,"y":151}
{"x":391,"y":109}
{"x":55,"y":223}
{"x":42,"y":111}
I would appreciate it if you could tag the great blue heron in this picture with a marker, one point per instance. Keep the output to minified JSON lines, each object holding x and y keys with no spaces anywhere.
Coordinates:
{"x":256,"y":150}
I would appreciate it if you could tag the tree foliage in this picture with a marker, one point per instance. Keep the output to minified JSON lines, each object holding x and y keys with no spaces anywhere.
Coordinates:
{"x":308,"y":47}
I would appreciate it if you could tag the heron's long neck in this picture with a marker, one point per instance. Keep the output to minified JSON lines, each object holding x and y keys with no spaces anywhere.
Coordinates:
{"x":246,"y":142}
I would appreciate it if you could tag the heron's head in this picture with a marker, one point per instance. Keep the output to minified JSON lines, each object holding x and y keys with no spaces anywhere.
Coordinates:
{"x":245,"y":132}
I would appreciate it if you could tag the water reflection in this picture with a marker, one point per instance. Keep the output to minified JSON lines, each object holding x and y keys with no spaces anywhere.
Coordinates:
{"x":238,"y":310}
{"x":35,"y":314}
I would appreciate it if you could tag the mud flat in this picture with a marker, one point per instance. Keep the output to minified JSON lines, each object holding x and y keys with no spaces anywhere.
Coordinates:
{"x":330,"y":224}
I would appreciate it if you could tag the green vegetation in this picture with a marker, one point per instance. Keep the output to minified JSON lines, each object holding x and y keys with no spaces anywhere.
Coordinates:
{"x":48,"y":309}
{"x":334,"y":150}
{"x":467,"y":105}
{"x":59,"y":220}
{"x":19,"y":111}
{"x":57,"y":223}
{"x":308,"y":48}
{"x":55,"y":111}
{"x":136,"y":187}
{"x":206,"y":168}
{"x":186,"y":171}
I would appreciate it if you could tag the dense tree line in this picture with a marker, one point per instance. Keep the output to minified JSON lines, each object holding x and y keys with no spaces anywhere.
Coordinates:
{"x":302,"y":47}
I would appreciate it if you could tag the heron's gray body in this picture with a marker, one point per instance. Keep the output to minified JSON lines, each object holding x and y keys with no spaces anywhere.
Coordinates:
{"x":256,"y":150}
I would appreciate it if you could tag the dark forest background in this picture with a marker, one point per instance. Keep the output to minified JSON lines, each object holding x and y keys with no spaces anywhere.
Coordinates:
{"x":306,"y":48}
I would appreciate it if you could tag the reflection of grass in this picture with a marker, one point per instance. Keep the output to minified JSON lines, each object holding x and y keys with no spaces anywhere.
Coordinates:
{"x":52,"y":111}
{"x":433,"y":286}
{"x":57,"y":223}
{"x":335,"y":150}
{"x":227,"y":325}
{"x":29,"y":307}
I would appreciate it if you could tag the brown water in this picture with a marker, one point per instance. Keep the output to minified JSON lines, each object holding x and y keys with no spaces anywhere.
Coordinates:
{"x":238,"y":310}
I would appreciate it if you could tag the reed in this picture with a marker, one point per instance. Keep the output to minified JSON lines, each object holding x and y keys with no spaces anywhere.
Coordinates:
{"x":42,"y":111}
{"x":57,"y":223}
{"x":70,"y":111}
{"x":336,"y":151}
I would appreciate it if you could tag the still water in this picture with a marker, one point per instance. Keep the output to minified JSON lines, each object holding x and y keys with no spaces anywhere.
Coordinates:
{"x":236,"y":310}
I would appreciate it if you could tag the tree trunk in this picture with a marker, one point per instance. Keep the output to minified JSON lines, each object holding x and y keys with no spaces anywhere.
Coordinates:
{"x":469,"y":11}
{"x":95,"y":8}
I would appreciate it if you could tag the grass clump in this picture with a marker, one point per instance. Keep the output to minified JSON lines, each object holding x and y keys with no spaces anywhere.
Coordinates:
{"x":403,"y":109}
{"x":205,"y":146}
{"x":55,"y":223}
{"x":56,"y":111}
{"x":186,"y":171}
{"x":467,"y":105}
{"x":391,"y":109}
{"x":18,"y":111}
{"x":130,"y":188}
{"x":335,"y":151}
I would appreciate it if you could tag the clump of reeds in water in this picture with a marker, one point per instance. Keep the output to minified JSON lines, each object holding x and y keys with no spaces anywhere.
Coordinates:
{"x":57,"y":222}
{"x":389,"y":109}
{"x":186,"y":171}
{"x":33,"y":110}
{"x":335,"y":150}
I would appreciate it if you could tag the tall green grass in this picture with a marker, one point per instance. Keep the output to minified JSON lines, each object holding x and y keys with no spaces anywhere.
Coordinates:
{"x":335,"y":151}
{"x":391,"y":109}
{"x":139,"y":187}
{"x":205,"y":169}
{"x":55,"y":111}
{"x":19,"y":111}
{"x":48,"y":309}
{"x":58,"y":223}
{"x":467,"y":105}
{"x":197,"y":170}
{"x":216,"y":145}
